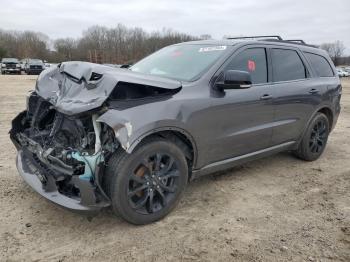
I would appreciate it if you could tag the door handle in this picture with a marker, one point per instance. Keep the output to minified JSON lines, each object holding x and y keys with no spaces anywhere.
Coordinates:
{"x":266,"y":97}
{"x":314,"y":91}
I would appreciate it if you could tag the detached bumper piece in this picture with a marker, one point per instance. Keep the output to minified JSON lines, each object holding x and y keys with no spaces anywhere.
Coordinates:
{"x":45,"y":185}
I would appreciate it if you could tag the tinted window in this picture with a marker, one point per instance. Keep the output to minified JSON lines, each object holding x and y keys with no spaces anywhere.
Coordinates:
{"x":320,"y":65}
{"x":252,"y":61}
{"x":287,"y":65}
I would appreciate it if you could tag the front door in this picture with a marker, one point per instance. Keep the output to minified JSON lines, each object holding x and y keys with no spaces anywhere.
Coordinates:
{"x":242,"y":119}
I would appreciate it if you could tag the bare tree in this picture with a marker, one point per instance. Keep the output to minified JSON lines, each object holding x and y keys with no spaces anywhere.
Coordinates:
{"x":125,"y":45}
{"x":98,"y":44}
{"x":335,"y":50}
{"x":205,"y":37}
{"x":66,"y":48}
{"x":24,"y":44}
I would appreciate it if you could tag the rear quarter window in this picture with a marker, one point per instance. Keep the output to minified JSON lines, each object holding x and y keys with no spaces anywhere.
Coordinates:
{"x":320,"y":65}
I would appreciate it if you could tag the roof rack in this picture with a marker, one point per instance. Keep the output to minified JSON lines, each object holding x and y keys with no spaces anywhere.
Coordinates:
{"x":273,"y":38}
{"x":255,"y":37}
{"x":294,"y":42}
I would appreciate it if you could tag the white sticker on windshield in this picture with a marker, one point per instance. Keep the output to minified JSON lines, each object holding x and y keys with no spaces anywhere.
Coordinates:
{"x":212,"y":48}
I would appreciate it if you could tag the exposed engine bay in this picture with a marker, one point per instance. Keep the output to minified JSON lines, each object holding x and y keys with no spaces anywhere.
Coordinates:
{"x":71,"y":149}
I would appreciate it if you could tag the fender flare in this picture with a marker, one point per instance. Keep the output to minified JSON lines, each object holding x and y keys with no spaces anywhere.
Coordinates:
{"x":129,"y":137}
{"x":137,"y":141}
{"x":312,"y":116}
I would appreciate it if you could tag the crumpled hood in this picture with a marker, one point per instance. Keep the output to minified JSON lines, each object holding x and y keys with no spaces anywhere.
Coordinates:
{"x":76,"y":87}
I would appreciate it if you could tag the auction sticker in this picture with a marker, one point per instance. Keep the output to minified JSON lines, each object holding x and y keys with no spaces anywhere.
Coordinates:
{"x":212,"y":48}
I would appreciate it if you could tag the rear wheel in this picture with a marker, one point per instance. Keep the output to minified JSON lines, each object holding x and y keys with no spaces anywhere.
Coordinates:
{"x":146,"y":185}
{"x":315,"y":138}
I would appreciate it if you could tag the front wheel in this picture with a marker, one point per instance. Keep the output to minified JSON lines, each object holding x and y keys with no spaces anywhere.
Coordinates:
{"x":315,"y":138}
{"x":146,"y":185}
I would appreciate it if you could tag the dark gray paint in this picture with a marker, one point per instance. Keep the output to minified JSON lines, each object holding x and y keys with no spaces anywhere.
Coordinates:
{"x":224,"y":127}
{"x":219,"y":125}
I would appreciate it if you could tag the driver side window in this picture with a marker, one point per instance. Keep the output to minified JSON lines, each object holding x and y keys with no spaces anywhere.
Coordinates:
{"x":253,"y":61}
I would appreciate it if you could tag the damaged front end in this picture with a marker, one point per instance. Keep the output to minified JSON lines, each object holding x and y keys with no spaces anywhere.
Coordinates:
{"x":63,"y":157}
{"x":65,"y":137}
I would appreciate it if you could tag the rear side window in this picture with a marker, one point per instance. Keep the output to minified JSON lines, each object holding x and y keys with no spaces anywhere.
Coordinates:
{"x":253,"y":61}
{"x":320,"y":65}
{"x":287,"y":65}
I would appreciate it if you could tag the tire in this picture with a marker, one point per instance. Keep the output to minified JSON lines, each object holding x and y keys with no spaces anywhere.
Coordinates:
{"x":315,"y":138}
{"x":146,"y":185}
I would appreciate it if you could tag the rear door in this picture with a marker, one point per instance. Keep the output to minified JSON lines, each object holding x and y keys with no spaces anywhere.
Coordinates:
{"x":296,"y":95}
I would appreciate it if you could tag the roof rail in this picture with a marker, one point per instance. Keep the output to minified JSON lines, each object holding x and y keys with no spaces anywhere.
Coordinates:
{"x":274,"y":38}
{"x":296,"y":41}
{"x":254,"y":37}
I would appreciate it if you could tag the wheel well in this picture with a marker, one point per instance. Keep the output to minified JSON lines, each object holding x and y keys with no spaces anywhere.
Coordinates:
{"x":329,"y":114}
{"x":178,"y":138}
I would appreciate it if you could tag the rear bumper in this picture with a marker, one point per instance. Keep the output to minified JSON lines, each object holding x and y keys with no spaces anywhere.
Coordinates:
{"x":33,"y":176}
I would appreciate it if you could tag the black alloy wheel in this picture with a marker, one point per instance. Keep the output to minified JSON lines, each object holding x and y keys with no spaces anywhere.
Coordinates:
{"x":318,"y":136}
{"x":314,"y":139}
{"x":147,"y":184}
{"x":153,"y":184}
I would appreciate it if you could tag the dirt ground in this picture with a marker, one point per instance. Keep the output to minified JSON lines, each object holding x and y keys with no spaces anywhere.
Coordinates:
{"x":274,"y":209}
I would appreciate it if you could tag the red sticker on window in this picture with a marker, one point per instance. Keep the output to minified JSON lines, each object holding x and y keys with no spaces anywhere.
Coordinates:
{"x":176,"y":53}
{"x":251,"y":65}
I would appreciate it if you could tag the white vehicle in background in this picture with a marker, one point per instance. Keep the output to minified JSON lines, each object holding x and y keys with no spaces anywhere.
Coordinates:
{"x":23,"y":63}
{"x":342,"y":73}
{"x":46,"y":64}
{"x":346,"y":69}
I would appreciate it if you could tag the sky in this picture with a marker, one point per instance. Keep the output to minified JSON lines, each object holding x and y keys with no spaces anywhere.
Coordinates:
{"x":315,"y":21}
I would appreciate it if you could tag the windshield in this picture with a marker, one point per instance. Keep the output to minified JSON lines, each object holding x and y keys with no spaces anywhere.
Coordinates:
{"x":181,"y":62}
{"x":35,"y":61}
{"x":10,"y":60}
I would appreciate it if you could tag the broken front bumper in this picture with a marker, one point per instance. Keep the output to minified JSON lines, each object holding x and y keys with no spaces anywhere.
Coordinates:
{"x":45,"y":185}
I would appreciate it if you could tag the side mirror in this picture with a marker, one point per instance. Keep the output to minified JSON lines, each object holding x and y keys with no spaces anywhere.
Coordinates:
{"x":234,"y":79}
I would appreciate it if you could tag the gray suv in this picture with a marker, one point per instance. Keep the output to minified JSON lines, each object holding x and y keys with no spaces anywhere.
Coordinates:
{"x":93,"y":136}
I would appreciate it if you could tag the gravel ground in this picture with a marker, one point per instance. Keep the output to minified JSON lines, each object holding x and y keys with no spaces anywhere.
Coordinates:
{"x":275,"y":209}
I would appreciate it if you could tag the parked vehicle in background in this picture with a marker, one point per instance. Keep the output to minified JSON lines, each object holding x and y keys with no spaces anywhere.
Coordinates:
{"x":22,"y":63}
{"x":346,"y":69}
{"x":94,"y":136}
{"x":34,"y":66}
{"x":10,"y":66}
{"x":342,"y":73}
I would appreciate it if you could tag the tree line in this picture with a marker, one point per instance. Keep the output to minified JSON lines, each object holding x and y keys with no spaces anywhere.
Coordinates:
{"x":117,"y":45}
{"x":336,"y":52}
